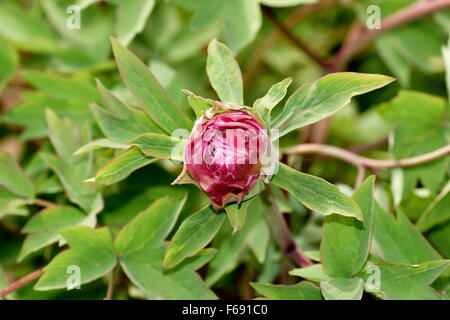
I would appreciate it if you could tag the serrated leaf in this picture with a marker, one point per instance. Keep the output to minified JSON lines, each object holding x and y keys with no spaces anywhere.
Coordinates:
{"x":160,"y":146}
{"x":410,"y":282}
{"x":342,"y":289}
{"x":131,"y":18}
{"x":276,"y":93}
{"x":91,"y":250}
{"x":43,"y":228}
{"x":399,"y":241}
{"x":13,"y":178}
{"x":300,"y":291}
{"x":344,"y":232}
{"x":151,"y":226}
{"x":194,"y":234}
{"x":224,"y":73}
{"x":148,"y":91}
{"x":315,"y":193}
{"x":122,"y":165}
{"x":320,"y":99}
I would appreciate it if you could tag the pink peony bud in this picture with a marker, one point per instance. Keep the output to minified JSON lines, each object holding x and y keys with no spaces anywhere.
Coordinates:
{"x":223,"y":156}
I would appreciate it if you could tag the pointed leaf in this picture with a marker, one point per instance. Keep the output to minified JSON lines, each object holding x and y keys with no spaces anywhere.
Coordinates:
{"x":315,"y":193}
{"x":193,"y":235}
{"x":224,"y":73}
{"x":301,"y":291}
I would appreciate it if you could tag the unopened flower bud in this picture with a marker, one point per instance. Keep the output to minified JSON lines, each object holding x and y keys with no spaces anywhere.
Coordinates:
{"x":223,"y":156}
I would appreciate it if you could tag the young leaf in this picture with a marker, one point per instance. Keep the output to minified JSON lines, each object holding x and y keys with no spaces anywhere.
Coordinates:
{"x":43,"y":228}
{"x":122,"y":165}
{"x":159,"y":146}
{"x":198,"y":104}
{"x":151,"y":226}
{"x":415,"y":280}
{"x":13,"y":178}
{"x":316,"y":193}
{"x":399,"y":241}
{"x":131,"y":18}
{"x":320,"y":99}
{"x":193,"y":235}
{"x":148,"y":91}
{"x":237,"y":213}
{"x":276,"y":93}
{"x":300,"y":291}
{"x":353,"y":235}
{"x":224,"y":73}
{"x":342,"y":289}
{"x":91,"y":250}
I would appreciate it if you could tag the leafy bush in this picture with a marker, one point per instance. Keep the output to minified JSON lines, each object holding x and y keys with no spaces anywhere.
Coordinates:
{"x":102,"y":99}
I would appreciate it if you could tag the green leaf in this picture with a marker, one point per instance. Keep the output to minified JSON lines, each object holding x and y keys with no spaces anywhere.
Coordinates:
{"x":198,"y":104}
{"x":314,"y":272}
{"x":151,"y":226}
{"x":232,"y":248}
{"x":61,"y":87}
{"x":439,"y":238}
{"x":410,"y":282}
{"x":399,"y":241}
{"x":224,"y":73}
{"x":99,"y":144}
{"x":13,"y":178}
{"x":91,"y":250}
{"x":11,"y":205}
{"x":285,"y":3}
{"x":194,"y":234}
{"x":437,"y":212}
{"x":276,"y":93}
{"x":148,"y":91}
{"x":300,"y":291}
{"x":26,"y":31}
{"x":121,"y":122}
{"x":320,"y":99}
{"x":43,"y":228}
{"x":419,"y":121}
{"x":353,"y":235}
{"x":342,"y":289}
{"x":239,"y":20}
{"x":122,"y":165}
{"x":131,"y":19}
{"x":315,"y":193}
{"x":8,"y":62}
{"x":237,"y":214}
{"x":144,"y":269}
{"x":160,"y":146}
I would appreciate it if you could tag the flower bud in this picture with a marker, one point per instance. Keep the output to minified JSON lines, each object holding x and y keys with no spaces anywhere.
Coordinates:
{"x":223,"y":156}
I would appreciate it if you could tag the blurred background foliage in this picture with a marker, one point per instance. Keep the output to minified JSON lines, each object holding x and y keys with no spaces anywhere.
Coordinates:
{"x":46,"y":66}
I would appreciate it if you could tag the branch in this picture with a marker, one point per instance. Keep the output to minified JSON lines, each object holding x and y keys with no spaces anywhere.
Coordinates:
{"x":358,"y":36}
{"x":21,"y":282}
{"x":44,"y":203}
{"x":281,"y":231}
{"x":359,"y":161}
{"x":284,"y":29}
